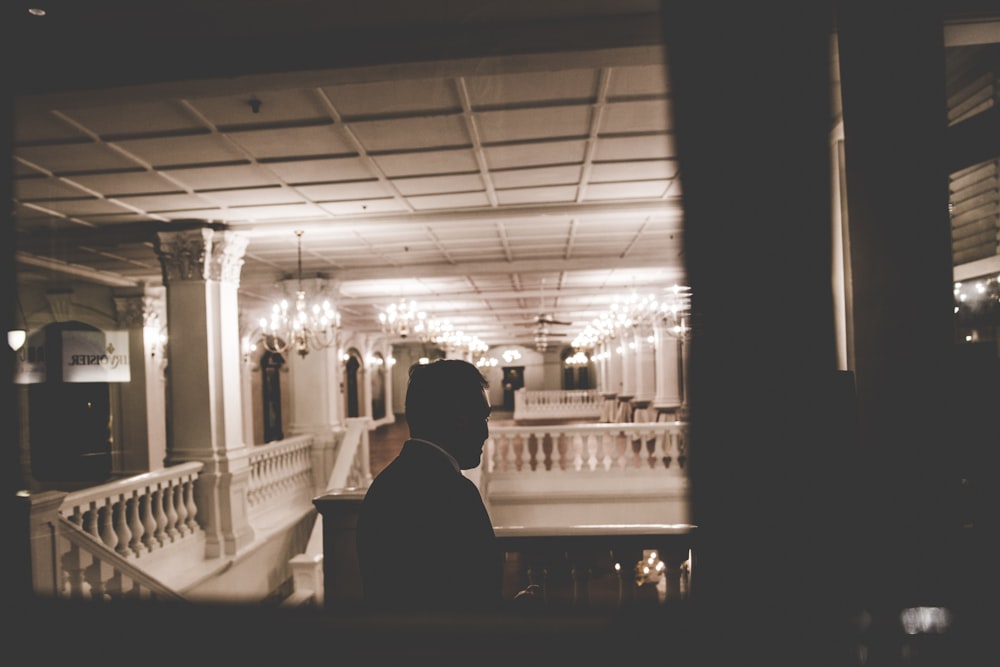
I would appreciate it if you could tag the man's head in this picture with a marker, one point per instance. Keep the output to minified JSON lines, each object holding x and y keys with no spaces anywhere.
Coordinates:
{"x":446,"y":403}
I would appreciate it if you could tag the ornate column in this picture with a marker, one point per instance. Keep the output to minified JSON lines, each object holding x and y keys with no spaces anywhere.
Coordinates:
{"x":645,"y":375}
{"x":316,"y":402}
{"x":625,"y":351}
{"x":613,"y":386}
{"x":668,"y":395}
{"x":201,"y":269}
{"x":143,"y":400}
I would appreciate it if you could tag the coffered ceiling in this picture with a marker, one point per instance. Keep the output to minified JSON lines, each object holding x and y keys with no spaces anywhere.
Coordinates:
{"x":490,"y":189}
{"x":491,"y":161}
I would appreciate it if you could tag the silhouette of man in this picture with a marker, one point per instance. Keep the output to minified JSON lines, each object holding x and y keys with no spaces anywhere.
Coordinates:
{"x":424,"y":538}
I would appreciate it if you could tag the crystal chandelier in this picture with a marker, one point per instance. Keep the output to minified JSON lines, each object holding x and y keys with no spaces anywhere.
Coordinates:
{"x":300,"y":326}
{"x":403,"y":319}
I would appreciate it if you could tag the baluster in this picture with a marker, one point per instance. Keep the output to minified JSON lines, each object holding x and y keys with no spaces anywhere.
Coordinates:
{"x":114,"y":584}
{"x":77,"y":516}
{"x":620,"y":450}
{"x":149,"y":522}
{"x":94,"y":574}
{"x":508,"y":459}
{"x":654,"y":448}
{"x":544,"y":463}
{"x":192,"y":507}
{"x":72,"y":566}
{"x":579,"y":449}
{"x":119,"y":522}
{"x":561,"y":451}
{"x":534,"y":452}
{"x":160,"y":515}
{"x":168,"y":505}
{"x":135,"y":525}
{"x":668,"y":443}
{"x":106,"y":528}
{"x":593,"y":442}
{"x":181,"y":505}
{"x":90,"y":521}
{"x":254,"y":482}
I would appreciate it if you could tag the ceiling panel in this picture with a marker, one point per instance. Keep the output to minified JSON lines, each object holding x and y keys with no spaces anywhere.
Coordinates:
{"x":134,"y":118}
{"x":535,"y":123}
{"x":292,"y":142}
{"x":218,"y":178}
{"x":536,"y":153}
{"x":322,"y":170}
{"x":412,"y":133}
{"x":393,"y":98}
{"x":186,"y":150}
{"x":527,"y":87}
{"x":73,"y":158}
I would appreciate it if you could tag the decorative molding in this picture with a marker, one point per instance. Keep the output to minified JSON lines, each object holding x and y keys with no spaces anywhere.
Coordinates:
{"x":201,"y":254}
{"x":139,"y":311}
{"x":61,"y":304}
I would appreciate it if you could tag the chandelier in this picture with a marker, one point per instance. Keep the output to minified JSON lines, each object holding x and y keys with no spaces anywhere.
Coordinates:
{"x":300,"y":326}
{"x":403,"y":318}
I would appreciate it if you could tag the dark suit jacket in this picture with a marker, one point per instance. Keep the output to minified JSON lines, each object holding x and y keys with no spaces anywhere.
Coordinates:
{"x":425,"y":540}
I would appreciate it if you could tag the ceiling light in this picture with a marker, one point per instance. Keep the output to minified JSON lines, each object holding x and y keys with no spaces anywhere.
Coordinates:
{"x":302,"y":327}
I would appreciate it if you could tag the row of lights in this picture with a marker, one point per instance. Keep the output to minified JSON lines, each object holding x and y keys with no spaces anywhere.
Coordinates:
{"x":636,"y":310}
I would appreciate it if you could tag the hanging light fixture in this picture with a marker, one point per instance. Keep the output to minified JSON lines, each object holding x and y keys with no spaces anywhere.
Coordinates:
{"x":300,"y":326}
{"x":403,"y":318}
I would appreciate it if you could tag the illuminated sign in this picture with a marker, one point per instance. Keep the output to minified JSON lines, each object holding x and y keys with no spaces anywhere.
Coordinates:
{"x":95,"y":356}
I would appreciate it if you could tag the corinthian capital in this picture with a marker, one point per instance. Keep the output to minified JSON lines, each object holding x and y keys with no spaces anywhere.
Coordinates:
{"x":138,"y":311}
{"x":200,"y":254}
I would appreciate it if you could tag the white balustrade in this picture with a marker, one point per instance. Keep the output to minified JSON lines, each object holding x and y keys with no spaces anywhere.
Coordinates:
{"x":138,"y":515}
{"x":557,"y":404}
{"x":280,"y":469}
{"x":590,"y":447}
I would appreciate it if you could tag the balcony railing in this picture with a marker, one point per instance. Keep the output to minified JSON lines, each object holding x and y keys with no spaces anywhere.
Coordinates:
{"x":542,"y":405}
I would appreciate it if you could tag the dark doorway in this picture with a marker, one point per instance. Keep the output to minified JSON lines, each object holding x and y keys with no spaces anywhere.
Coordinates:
{"x":513,"y":379}
{"x":352,"y":386}
{"x":270,"y":368}
{"x":69,"y":423}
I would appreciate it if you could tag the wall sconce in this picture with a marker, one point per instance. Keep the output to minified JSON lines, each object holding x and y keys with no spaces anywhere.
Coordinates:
{"x":157,"y":338}
{"x":247,"y":349}
{"x":16,"y":338}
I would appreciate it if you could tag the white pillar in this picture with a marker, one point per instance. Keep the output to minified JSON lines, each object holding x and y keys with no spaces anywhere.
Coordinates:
{"x":201,"y":269}
{"x":645,"y":374}
{"x":668,"y":389}
{"x":143,"y":399}
{"x":625,"y":345}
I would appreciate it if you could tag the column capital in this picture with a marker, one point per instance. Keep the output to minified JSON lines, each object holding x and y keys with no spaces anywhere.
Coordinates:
{"x":201,"y":254}
{"x":139,"y":310}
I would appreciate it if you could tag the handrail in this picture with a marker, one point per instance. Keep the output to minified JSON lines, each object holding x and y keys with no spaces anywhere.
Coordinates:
{"x":108,"y":574}
{"x":352,"y":468}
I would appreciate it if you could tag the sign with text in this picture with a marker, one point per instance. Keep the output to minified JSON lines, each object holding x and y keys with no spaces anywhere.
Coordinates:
{"x":29,"y":365}
{"x":95,"y":356}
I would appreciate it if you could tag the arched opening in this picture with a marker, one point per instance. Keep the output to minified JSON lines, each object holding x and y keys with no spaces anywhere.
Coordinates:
{"x":270,"y":369}
{"x":351,"y":371}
